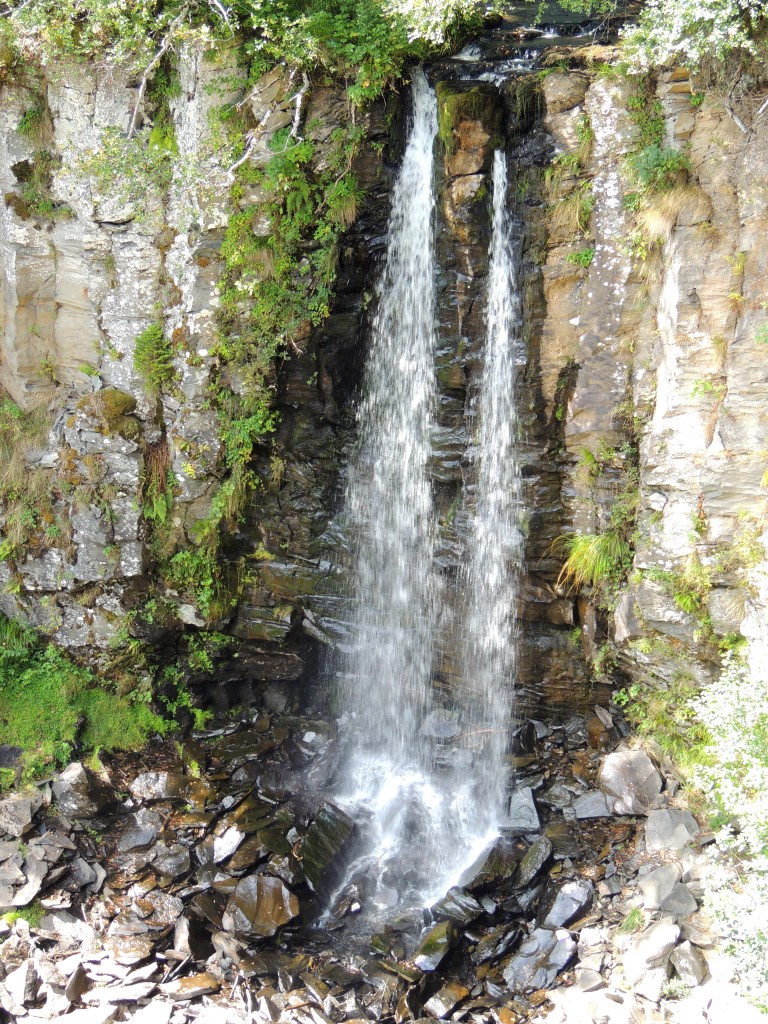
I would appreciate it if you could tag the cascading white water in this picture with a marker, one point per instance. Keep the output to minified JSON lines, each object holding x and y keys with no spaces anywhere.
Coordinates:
{"x":389,"y":496}
{"x":426,"y":823}
{"x":496,"y":541}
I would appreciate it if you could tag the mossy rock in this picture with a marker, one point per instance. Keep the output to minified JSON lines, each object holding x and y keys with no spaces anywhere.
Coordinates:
{"x":111,"y":406}
{"x":524,"y":102}
{"x":457,"y":103}
{"x":127,"y":427}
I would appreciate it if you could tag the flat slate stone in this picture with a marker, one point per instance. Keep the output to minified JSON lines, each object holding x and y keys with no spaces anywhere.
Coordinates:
{"x":630,"y":778}
{"x":657,"y":885}
{"x":689,"y":964}
{"x":669,"y":829}
{"x":536,"y":964}
{"x":17,"y":811}
{"x":561,"y":905}
{"x":259,"y":905}
{"x":650,"y":949}
{"x":594,"y":804}
{"x":523,"y":816}
{"x":442,"y":1003}
{"x":680,"y":902}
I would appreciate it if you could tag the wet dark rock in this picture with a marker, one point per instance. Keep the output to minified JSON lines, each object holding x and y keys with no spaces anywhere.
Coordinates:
{"x":435,"y":946}
{"x":251,"y":744}
{"x":250,"y":853}
{"x":564,"y":904}
{"x":558,"y":796}
{"x":81,"y":794}
{"x":170,"y":860}
{"x":522,"y":816}
{"x":457,"y":905}
{"x":630,"y":778}
{"x":323,"y":767}
{"x":350,"y":901}
{"x":540,"y":957}
{"x":532,"y":863}
{"x":249,"y":815}
{"x":493,"y":865}
{"x":495,"y":944}
{"x":564,"y":842}
{"x":259,"y":906}
{"x":446,"y":999}
{"x":141,"y":831}
{"x":327,"y":847}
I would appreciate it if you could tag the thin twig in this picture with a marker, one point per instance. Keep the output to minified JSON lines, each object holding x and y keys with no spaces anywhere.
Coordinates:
{"x":736,"y":119}
{"x":246,"y":156}
{"x":223,"y":12}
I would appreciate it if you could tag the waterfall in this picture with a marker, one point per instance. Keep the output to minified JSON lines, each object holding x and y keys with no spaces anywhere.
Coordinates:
{"x":389,"y":498}
{"x":426,"y":816}
{"x":495,"y":551}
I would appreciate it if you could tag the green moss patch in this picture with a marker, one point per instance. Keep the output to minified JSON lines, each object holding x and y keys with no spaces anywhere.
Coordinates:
{"x":454,"y":105}
{"x":48,"y":704}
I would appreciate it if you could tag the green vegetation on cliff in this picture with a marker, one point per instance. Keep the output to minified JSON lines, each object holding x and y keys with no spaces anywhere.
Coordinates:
{"x":48,"y":704}
{"x":365,"y":42}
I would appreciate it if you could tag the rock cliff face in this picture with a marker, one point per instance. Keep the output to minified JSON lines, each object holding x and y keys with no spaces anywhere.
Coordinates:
{"x":647,"y":371}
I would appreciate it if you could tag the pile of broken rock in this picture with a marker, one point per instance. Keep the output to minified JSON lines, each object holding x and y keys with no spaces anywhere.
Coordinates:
{"x":196,"y":896}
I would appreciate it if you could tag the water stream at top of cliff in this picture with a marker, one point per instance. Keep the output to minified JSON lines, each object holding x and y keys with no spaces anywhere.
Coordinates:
{"x":428,"y":782}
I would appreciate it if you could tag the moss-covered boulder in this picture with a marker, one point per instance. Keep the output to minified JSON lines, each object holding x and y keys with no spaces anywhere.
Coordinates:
{"x":469,"y":125}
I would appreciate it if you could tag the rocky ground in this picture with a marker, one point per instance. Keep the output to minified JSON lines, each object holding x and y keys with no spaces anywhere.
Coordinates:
{"x":186,"y":884}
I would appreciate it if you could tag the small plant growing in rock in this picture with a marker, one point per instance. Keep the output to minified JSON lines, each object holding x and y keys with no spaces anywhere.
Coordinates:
{"x":633,"y":922}
{"x":583,"y":258}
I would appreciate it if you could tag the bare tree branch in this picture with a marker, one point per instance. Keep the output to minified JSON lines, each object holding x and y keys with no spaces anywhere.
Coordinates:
{"x":298,"y":99}
{"x":164,"y":47}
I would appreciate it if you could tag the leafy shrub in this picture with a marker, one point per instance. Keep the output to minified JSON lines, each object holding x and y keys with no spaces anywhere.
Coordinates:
{"x":734,"y":781}
{"x":691,"y":32}
{"x":656,"y":168}
{"x":583,"y":258}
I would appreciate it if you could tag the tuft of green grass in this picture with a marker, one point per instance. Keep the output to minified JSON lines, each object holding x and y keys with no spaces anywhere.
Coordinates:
{"x":592,"y":559}
{"x":633,"y":922}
